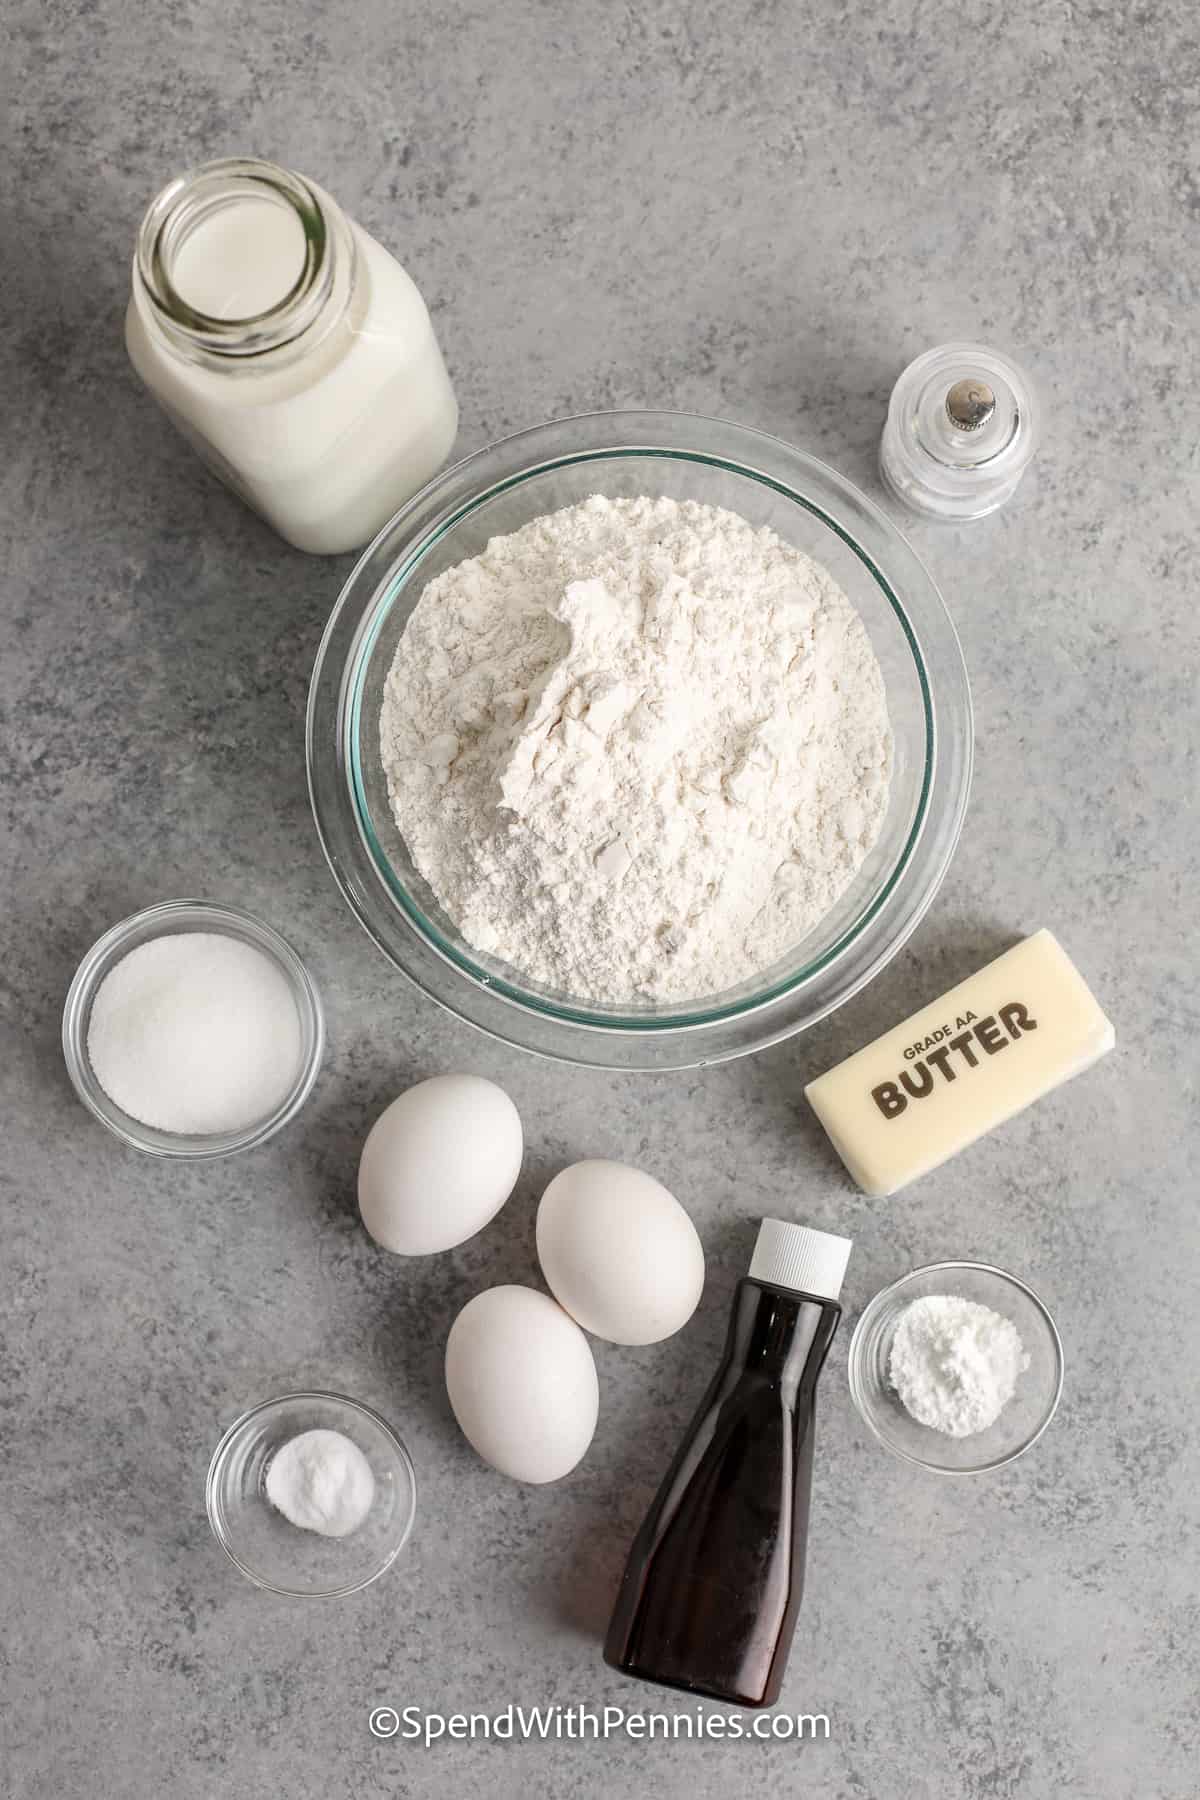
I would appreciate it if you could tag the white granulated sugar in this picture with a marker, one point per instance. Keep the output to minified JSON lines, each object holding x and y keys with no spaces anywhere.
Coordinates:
{"x":955,"y":1363}
{"x":195,"y":1033}
{"x":637,"y":748}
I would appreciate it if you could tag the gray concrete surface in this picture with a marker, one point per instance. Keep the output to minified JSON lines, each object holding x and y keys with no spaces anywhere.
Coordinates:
{"x":758,"y":210}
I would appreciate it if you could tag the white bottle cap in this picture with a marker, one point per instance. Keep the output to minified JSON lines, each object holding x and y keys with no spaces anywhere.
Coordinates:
{"x":793,"y":1256}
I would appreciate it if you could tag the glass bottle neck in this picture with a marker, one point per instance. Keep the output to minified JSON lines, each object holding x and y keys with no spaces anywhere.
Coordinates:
{"x":242,"y":259}
{"x":781,"y":1335}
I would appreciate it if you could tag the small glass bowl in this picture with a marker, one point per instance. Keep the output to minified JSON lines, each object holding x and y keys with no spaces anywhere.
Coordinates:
{"x":268,"y":1549}
{"x":1025,"y":1417}
{"x":169,"y":917}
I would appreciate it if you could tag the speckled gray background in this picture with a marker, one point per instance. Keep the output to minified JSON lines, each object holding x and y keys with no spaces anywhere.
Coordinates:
{"x":759,"y":210}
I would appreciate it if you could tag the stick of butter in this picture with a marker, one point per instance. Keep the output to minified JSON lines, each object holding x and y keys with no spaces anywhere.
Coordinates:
{"x":992,"y":1045}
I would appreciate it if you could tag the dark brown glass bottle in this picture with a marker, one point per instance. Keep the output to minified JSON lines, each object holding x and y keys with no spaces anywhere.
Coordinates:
{"x":709,"y":1597}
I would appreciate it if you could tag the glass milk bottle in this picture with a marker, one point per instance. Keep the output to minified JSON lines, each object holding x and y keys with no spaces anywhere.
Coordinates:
{"x":294,"y":354}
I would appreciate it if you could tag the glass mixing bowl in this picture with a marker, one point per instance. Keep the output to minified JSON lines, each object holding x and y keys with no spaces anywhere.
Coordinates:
{"x":626,"y":454}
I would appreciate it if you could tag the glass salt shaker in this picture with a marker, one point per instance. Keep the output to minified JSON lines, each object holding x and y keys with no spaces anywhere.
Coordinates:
{"x":961,"y":428}
{"x":290,"y":349}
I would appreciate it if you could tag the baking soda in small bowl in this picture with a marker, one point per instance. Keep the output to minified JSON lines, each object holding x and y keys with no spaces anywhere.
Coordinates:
{"x":321,"y":1481}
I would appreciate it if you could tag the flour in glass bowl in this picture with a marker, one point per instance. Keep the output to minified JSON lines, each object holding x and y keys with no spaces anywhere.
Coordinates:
{"x":637,"y":748}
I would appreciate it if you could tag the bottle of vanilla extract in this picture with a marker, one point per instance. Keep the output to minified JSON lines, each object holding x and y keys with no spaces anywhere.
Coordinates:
{"x":713,"y":1584}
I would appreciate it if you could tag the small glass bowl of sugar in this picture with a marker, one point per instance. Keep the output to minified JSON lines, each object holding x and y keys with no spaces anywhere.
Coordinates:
{"x":193,"y":1031}
{"x":1003,"y":1305}
{"x":279,"y":1555}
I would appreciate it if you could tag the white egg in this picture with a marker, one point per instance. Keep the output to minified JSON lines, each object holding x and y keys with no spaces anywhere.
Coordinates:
{"x":438,"y":1164}
{"x":522,"y":1383}
{"x":619,"y":1252}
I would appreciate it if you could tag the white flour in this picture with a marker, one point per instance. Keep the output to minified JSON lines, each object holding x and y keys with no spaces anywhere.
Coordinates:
{"x":954,"y":1363}
{"x":637,"y":748}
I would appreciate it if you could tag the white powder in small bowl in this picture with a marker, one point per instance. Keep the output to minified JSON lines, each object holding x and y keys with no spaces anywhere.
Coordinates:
{"x":955,"y":1363}
{"x":195,"y":1033}
{"x":322,"y":1482}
